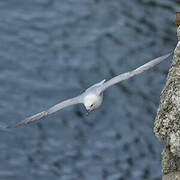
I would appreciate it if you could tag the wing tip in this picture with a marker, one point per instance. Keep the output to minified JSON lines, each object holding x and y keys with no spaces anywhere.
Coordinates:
{"x":10,"y":126}
{"x":29,"y":120}
{"x":13,"y":126}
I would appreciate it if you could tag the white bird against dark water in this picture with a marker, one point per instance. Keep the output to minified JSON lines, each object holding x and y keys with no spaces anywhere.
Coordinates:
{"x":93,"y":96}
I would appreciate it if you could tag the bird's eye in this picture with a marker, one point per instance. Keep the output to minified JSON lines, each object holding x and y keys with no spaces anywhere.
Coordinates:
{"x":91,"y":105}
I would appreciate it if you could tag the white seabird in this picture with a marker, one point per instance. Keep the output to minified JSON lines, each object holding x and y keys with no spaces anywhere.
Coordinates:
{"x":93,"y":96}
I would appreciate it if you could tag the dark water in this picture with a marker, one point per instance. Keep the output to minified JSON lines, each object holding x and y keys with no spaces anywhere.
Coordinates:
{"x":53,"y":49}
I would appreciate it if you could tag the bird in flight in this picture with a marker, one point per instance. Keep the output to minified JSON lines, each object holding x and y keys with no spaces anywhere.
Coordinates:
{"x":93,"y":96}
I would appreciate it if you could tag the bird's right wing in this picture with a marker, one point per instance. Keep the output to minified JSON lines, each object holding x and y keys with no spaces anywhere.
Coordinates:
{"x":53,"y":109}
{"x":130,"y":74}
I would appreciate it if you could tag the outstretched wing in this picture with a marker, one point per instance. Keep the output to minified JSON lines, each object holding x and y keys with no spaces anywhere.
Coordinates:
{"x":57,"y":107}
{"x":130,"y":74}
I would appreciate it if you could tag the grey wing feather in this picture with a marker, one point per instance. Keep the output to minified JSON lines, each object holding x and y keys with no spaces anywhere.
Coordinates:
{"x":57,"y":107}
{"x":130,"y":74}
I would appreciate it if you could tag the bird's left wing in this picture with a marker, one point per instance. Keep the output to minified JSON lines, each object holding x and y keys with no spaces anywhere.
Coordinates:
{"x":53,"y":109}
{"x":130,"y":74}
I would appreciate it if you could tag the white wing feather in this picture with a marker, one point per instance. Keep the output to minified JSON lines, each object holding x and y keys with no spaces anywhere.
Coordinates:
{"x":130,"y":74}
{"x":57,"y":107}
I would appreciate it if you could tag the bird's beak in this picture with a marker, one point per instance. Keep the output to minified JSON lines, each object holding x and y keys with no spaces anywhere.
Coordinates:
{"x":87,"y":113}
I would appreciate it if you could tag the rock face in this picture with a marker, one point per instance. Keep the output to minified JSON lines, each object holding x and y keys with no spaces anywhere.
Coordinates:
{"x":167,"y":122}
{"x":170,"y":162}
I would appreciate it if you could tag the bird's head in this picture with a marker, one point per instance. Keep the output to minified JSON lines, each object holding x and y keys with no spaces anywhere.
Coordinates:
{"x":92,"y":102}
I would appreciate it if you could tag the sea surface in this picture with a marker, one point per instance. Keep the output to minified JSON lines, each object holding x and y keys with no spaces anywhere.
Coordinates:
{"x":51,"y":50}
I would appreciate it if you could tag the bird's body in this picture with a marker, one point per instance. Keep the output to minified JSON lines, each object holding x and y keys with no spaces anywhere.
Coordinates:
{"x":93,"y":96}
{"x":93,"y":101}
